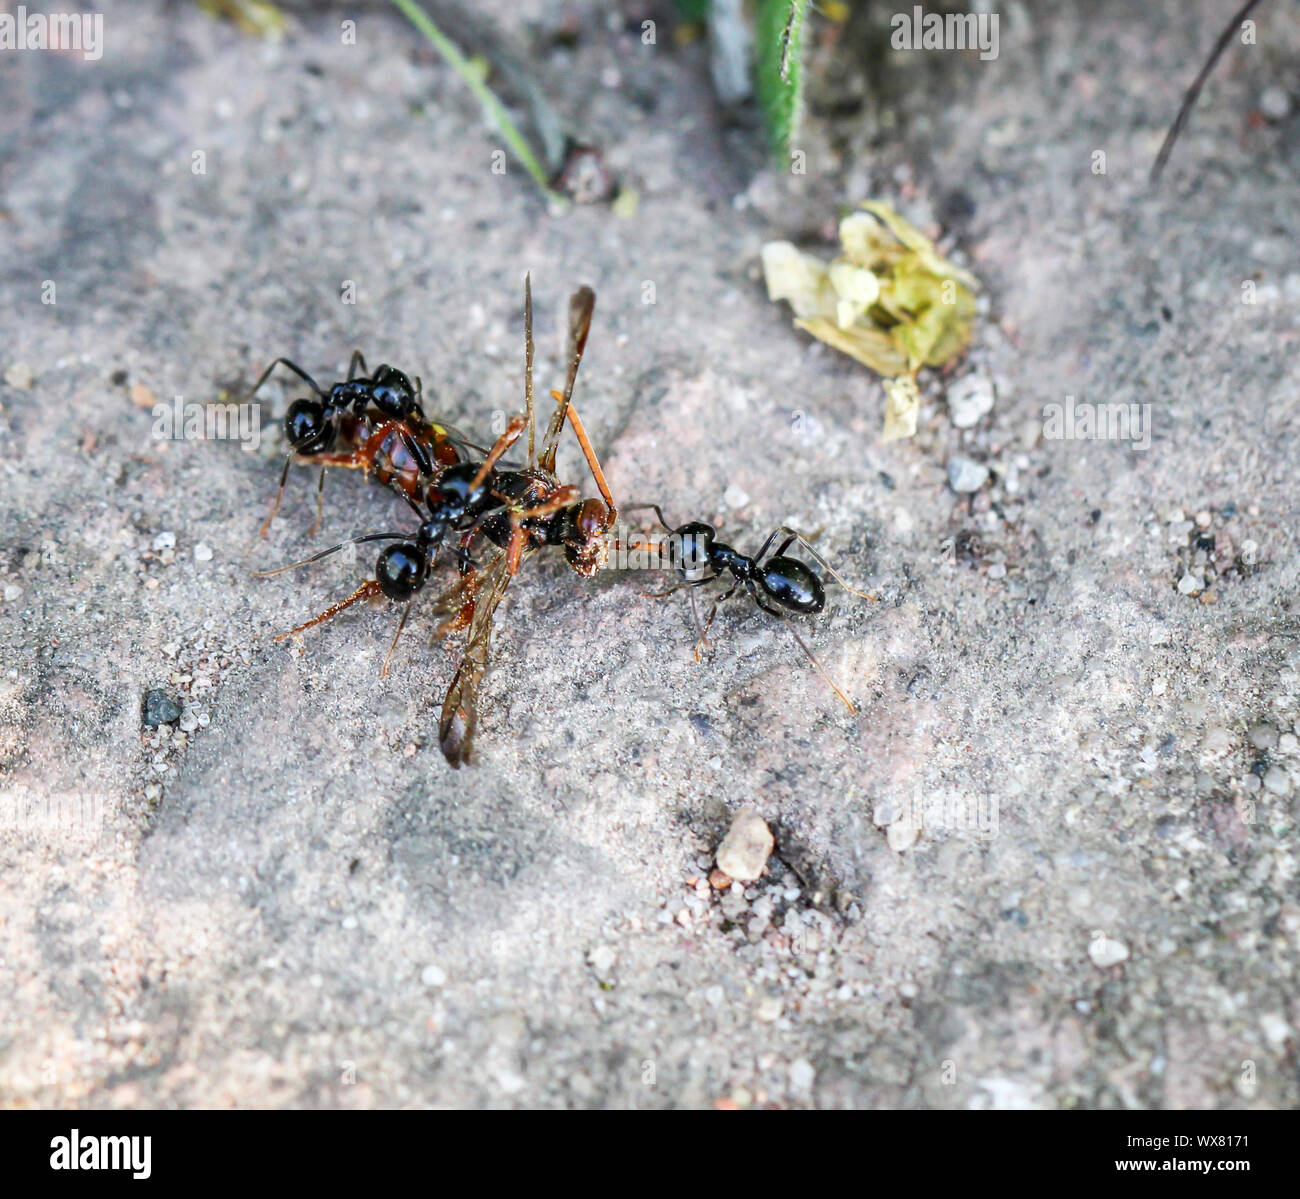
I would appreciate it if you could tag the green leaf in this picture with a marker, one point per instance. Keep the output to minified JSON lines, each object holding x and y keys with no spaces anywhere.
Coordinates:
{"x":778,"y":68}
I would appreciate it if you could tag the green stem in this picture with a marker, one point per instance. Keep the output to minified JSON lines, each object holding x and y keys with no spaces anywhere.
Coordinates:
{"x":493,"y":107}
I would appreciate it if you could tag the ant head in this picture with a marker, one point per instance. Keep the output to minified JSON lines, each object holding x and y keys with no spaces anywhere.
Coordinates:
{"x":688,"y":549}
{"x":392,"y":393}
{"x":401,"y":570}
{"x":307,"y":427}
{"x":585,"y":546}
{"x":793,"y":585}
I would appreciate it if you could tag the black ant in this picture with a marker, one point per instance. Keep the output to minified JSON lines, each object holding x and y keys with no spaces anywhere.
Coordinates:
{"x":777,"y":584}
{"x":378,"y":419}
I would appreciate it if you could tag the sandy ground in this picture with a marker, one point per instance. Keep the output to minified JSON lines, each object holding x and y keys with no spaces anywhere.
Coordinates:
{"x":285,"y":897}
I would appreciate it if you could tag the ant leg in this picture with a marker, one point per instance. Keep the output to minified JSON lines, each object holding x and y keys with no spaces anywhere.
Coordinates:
{"x":279,"y":495}
{"x":365,"y":591}
{"x":703,"y":642}
{"x":358,"y":359}
{"x":293,"y":366}
{"x":401,"y":624}
{"x":795,"y":535}
{"x":848,"y":703}
{"x":334,"y":549}
{"x":320,"y":503}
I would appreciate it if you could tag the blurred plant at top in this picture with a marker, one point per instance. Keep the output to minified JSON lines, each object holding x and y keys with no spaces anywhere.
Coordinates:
{"x":890,"y":300}
{"x":757,"y":48}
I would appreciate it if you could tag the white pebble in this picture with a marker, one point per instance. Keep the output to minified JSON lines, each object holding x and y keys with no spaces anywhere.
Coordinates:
{"x":1104,"y":952}
{"x":969,"y":399}
{"x":433,"y":976}
{"x":1274,"y":103}
{"x":164,"y":541}
{"x":965,"y":475}
{"x":735,"y":497}
{"x":1191,"y":584}
{"x":202,"y":553}
{"x":746,"y":847}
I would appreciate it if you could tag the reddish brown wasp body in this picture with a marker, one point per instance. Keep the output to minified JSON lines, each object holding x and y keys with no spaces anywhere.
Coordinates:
{"x":516,"y":511}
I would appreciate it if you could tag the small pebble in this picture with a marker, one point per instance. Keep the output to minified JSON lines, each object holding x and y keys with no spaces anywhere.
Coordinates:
{"x":12,"y":592}
{"x":1262,"y":735}
{"x":1276,"y":780}
{"x":20,"y":376}
{"x":720,"y":880}
{"x":768,"y":1010}
{"x":189,"y":721}
{"x":164,"y":541}
{"x":601,"y":960}
{"x":1104,"y":952}
{"x":1274,"y":103}
{"x":969,"y":399}
{"x":433,"y":976}
{"x":735,"y":497}
{"x":965,"y":475}
{"x":1190,"y":584}
{"x":746,"y":847}
{"x":802,"y":1075}
{"x":160,"y":708}
{"x":202,"y":553}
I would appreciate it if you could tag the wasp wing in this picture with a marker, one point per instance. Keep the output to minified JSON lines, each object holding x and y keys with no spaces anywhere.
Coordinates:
{"x":459,"y":720}
{"x":581,"y":306}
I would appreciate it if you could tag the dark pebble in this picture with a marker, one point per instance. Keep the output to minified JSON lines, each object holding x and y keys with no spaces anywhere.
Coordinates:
{"x":160,"y":708}
{"x":703,"y":725}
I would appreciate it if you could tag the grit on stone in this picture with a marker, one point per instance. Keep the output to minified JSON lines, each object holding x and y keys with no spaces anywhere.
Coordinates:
{"x":1051,"y":860}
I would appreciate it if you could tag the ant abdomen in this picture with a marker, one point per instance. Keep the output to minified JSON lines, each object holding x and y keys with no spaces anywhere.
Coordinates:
{"x":793,"y":585}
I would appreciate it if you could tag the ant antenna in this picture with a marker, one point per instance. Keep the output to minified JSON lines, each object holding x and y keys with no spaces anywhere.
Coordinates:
{"x":334,"y":549}
{"x":656,"y":509}
{"x":1193,"y":92}
{"x":297,"y":370}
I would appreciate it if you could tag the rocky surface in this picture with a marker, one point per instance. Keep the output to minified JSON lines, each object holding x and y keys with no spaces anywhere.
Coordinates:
{"x":1052,"y":859}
